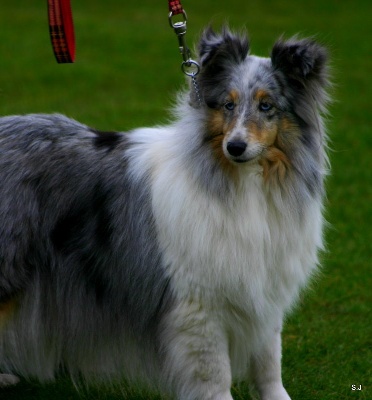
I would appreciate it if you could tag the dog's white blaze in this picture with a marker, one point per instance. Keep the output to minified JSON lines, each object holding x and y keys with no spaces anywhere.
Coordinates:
{"x":250,"y":68}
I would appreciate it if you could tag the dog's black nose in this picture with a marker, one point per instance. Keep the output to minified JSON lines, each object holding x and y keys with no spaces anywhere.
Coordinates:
{"x":236,"y":148}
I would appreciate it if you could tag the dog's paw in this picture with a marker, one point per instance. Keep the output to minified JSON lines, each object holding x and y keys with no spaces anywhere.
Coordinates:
{"x":8,"y":380}
{"x":274,"y":392}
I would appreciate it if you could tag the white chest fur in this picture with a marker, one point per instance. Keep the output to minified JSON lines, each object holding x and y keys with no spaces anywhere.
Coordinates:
{"x":245,"y":251}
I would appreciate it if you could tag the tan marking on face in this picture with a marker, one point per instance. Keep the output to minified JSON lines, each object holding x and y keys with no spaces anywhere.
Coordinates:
{"x":265,"y":134}
{"x":275,"y":162}
{"x":287,"y":125}
{"x":218,"y":127}
{"x":216,"y":122}
{"x":289,"y":129}
{"x":261,"y":95}
{"x":234,"y":96}
{"x":275,"y":165}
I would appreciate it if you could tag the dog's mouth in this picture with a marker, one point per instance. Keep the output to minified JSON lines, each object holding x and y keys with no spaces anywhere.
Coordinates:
{"x":248,"y":157}
{"x":241,"y":152}
{"x":249,"y":160}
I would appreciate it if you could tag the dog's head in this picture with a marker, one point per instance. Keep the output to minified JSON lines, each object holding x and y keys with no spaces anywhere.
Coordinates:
{"x":258,"y":108}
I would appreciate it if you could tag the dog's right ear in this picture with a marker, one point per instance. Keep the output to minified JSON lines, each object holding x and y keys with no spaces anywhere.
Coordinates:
{"x":218,"y":52}
{"x":224,"y":46}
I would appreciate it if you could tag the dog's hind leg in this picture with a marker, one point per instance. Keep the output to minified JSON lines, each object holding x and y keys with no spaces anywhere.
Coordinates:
{"x":196,"y":363}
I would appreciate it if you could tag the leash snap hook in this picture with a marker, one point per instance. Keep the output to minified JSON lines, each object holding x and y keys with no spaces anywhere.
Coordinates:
{"x":175,"y":24}
{"x":180,"y":30}
{"x":189,"y":66}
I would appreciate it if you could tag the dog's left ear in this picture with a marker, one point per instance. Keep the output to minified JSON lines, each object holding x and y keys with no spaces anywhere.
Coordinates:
{"x":303,"y":61}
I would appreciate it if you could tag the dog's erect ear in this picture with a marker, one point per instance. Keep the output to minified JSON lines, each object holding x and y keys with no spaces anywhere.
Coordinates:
{"x":304,"y":61}
{"x":224,"y":46}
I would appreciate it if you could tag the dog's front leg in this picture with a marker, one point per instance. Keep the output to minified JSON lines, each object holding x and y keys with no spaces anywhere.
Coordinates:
{"x":267,"y":367}
{"x":196,"y":363}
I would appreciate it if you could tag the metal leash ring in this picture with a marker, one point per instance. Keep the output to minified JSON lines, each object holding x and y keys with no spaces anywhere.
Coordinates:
{"x":190,"y":68}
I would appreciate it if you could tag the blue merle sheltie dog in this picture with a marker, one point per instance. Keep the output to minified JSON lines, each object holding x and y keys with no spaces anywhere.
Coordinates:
{"x":168,"y":255}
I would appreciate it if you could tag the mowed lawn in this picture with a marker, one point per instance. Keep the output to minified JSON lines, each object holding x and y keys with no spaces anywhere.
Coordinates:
{"x":126,"y":73}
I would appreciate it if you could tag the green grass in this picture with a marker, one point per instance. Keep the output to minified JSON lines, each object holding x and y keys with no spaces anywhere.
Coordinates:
{"x":126,"y":74}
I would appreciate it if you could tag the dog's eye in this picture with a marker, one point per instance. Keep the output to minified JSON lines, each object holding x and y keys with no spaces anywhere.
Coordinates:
{"x":265,"y":106}
{"x":229,"y":105}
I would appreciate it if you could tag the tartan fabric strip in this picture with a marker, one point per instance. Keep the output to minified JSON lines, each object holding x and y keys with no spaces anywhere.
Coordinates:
{"x":61,"y":30}
{"x":59,"y":45}
{"x":175,"y":7}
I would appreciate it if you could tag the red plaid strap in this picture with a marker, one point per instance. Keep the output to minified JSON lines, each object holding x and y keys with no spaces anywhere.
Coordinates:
{"x":175,"y":7}
{"x":61,"y":30}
